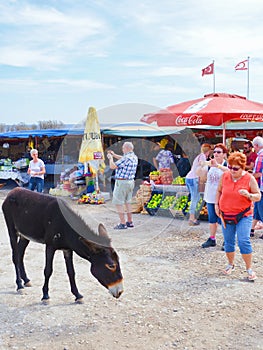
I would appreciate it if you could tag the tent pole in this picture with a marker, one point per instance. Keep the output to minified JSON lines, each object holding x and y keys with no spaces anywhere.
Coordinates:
{"x":224,"y":133}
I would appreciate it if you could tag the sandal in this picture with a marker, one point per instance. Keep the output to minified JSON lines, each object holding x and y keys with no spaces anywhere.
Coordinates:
{"x":193,"y":223}
{"x":251,"y":275}
{"x":120,"y":227}
{"x":228,"y":270}
{"x":129,"y":224}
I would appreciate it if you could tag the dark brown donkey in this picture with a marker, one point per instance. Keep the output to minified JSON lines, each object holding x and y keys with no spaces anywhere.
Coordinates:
{"x":49,"y":220}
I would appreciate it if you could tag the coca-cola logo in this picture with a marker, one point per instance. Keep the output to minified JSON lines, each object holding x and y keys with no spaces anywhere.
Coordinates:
{"x":252,"y":117}
{"x":193,"y":119}
{"x":196,"y":107}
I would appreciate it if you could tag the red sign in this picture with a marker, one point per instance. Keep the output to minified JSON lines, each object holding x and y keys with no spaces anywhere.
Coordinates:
{"x":97,"y":155}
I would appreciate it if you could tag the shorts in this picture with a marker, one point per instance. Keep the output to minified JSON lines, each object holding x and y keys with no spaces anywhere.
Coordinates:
{"x":122,"y":193}
{"x":258,"y":209}
{"x":212,"y":217}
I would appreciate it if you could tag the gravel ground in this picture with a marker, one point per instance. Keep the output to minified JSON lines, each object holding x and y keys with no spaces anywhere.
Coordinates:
{"x":175,"y":295}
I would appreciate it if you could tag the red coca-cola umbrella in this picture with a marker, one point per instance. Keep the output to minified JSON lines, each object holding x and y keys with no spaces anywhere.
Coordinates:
{"x":212,"y":109}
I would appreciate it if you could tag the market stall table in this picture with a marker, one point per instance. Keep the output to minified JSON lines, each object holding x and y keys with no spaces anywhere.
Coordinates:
{"x":171,"y":188}
{"x":19,"y":177}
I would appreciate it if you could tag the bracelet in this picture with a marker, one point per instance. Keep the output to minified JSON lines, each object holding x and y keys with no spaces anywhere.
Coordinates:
{"x":250,"y":197}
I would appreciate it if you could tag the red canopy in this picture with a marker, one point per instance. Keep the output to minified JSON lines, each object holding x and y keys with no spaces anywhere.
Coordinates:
{"x":212,"y":109}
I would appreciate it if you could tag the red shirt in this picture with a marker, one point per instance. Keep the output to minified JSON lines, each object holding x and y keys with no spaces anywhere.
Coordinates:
{"x":251,"y":158}
{"x":231,"y":201}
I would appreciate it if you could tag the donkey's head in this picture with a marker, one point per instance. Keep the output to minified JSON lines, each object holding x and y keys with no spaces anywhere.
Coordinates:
{"x":105,"y":266}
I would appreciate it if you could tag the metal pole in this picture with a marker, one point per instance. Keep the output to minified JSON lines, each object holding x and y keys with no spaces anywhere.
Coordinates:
{"x":214,"y":79}
{"x":224,"y":133}
{"x":248,"y":78}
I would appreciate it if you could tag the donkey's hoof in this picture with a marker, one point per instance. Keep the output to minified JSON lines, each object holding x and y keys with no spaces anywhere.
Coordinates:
{"x":79,"y":300}
{"x":28,"y":284}
{"x":21,"y":290}
{"x":45,"y":301}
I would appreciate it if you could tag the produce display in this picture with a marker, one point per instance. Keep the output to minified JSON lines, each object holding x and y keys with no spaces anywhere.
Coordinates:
{"x":155,"y":201}
{"x":179,"y":181}
{"x":164,"y":176}
{"x":181,"y":203}
{"x":167,"y":202}
{"x":176,"y":204}
{"x":91,"y":198}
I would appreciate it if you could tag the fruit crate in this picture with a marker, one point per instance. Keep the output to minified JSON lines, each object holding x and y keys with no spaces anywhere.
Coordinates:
{"x":176,"y":209}
{"x":157,"y":210}
{"x":177,"y":214}
{"x":203,"y":217}
{"x":151,"y":211}
{"x":164,"y":213}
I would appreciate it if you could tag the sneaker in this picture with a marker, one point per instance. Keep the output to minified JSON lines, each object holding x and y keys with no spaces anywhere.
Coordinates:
{"x":129,"y":224}
{"x":229,"y":269}
{"x":209,"y":243}
{"x":120,"y":227}
{"x":251,"y":275}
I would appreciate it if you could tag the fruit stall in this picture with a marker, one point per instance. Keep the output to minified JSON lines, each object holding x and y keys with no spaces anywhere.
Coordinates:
{"x":170,"y":196}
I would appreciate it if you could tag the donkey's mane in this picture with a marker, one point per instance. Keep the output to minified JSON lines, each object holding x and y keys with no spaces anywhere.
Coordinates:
{"x":81,"y":227}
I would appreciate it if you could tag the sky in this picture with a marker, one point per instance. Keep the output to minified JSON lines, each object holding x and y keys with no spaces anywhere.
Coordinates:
{"x":125,"y":58}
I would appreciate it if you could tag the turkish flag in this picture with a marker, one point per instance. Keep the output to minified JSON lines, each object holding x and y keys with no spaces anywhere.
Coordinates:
{"x":208,"y":70}
{"x":243,"y":65}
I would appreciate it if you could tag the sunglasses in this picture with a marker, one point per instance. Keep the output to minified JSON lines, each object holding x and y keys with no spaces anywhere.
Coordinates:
{"x":218,"y":152}
{"x":234,"y":168}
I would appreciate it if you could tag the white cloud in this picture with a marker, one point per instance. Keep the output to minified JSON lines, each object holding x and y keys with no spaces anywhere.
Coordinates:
{"x":144,"y":50}
{"x":52,"y":84}
{"x":50,"y":36}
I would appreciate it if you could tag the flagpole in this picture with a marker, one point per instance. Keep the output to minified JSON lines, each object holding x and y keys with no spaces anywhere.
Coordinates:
{"x":248,"y":77}
{"x":214,"y":80}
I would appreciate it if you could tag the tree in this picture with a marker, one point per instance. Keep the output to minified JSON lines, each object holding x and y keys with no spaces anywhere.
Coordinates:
{"x":50,"y":124}
{"x":2,"y":127}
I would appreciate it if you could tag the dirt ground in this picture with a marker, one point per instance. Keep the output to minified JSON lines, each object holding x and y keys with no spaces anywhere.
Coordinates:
{"x":175,"y":296}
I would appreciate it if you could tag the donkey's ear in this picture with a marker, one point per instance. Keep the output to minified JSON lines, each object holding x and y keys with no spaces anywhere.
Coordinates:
{"x":102,"y":231}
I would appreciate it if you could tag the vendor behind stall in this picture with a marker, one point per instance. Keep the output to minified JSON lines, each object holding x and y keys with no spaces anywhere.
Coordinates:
{"x":36,"y":170}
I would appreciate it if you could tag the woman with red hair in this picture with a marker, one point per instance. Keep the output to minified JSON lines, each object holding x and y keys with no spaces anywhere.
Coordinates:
{"x":236,"y":192}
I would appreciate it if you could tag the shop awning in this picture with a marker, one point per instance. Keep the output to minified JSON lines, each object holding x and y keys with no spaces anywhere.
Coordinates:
{"x":139,"y":130}
{"x":24,"y":134}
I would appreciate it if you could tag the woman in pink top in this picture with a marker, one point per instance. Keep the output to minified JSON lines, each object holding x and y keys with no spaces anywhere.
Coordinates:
{"x":191,"y":181}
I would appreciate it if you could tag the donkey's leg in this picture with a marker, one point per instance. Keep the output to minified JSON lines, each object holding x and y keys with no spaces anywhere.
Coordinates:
{"x":13,"y":242}
{"x":68,"y":256}
{"x":50,"y":251}
{"x":22,"y":244}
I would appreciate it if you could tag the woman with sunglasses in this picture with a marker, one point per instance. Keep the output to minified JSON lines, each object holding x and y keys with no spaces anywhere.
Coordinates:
{"x":236,"y":191}
{"x":218,"y":166}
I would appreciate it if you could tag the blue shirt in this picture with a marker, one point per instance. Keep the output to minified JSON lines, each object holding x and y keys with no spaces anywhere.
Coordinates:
{"x":165,"y":158}
{"x":127,"y":166}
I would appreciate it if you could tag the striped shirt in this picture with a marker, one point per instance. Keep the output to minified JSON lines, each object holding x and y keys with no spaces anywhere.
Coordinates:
{"x":127,"y":166}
